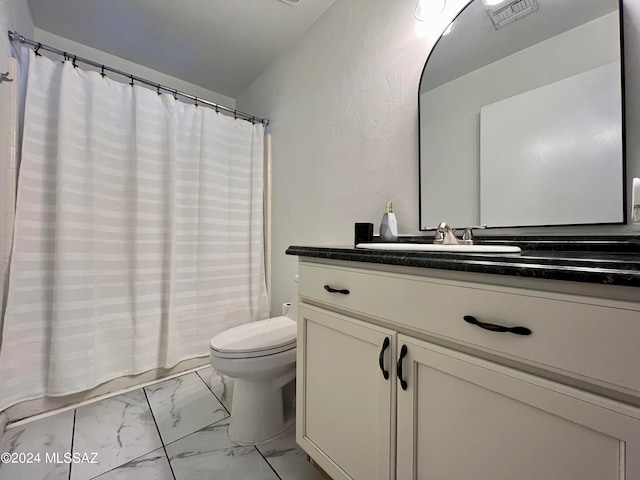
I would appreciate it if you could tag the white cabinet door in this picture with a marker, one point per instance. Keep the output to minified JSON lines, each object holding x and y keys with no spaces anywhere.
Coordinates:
{"x":464,"y":418}
{"x":344,"y":402}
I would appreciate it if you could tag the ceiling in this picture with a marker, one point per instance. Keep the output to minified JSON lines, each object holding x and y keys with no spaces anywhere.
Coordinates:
{"x":220,"y":45}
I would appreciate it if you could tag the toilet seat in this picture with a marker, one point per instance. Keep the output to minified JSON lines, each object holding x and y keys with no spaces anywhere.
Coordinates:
{"x":256,"y":339}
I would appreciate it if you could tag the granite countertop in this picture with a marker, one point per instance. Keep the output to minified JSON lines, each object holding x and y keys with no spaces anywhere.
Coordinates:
{"x":611,"y":260}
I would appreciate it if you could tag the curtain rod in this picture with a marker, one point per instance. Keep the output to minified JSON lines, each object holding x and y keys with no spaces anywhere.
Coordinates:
{"x":16,"y":37}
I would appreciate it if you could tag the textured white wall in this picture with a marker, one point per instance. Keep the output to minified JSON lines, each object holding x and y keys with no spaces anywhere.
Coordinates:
{"x":14,"y":15}
{"x":343,"y":111}
{"x":343,"y":105}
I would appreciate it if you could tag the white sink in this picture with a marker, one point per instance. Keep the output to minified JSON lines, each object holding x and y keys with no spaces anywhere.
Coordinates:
{"x":433,"y":247}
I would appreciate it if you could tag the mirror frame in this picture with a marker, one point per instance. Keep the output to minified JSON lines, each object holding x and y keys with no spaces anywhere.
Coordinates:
{"x":623,"y":136}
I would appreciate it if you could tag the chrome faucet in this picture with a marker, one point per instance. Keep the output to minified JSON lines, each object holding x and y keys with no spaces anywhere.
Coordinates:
{"x":445,"y":235}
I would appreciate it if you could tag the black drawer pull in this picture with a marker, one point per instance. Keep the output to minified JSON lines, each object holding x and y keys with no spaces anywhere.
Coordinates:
{"x":403,"y":353}
{"x":497,"y":328}
{"x":385,"y":345}
{"x":343,"y":291}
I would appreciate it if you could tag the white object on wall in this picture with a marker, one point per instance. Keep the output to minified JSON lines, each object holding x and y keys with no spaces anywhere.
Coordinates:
{"x":553,"y":155}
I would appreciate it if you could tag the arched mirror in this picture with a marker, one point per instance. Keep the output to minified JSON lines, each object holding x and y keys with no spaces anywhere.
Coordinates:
{"x":521,"y":117}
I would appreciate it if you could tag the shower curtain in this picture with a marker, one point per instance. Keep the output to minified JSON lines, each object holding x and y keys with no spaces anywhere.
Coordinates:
{"x":138,"y":235}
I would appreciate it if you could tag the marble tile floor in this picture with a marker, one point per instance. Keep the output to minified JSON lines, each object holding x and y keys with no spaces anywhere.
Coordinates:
{"x":173,"y":430}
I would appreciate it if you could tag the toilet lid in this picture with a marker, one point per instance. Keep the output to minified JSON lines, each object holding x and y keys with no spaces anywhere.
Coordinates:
{"x":265,"y":337}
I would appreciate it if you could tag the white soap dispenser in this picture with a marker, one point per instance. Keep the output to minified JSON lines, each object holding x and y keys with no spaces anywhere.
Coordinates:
{"x":389,"y":225}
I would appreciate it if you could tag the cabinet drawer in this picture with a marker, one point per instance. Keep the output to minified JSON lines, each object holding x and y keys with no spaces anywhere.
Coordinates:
{"x":592,"y":338}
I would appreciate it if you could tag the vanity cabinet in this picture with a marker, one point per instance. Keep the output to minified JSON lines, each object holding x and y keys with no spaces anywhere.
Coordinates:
{"x":346,"y":406}
{"x":476,"y":403}
{"x":461,"y":417}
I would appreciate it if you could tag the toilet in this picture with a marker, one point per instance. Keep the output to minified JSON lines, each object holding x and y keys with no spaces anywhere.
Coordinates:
{"x":261,"y":358}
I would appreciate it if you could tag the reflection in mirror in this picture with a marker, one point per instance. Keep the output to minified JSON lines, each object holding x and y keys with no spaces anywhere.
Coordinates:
{"x":521,"y":117}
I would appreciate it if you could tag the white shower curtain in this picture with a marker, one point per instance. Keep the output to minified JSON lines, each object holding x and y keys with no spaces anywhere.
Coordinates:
{"x":139,"y":233}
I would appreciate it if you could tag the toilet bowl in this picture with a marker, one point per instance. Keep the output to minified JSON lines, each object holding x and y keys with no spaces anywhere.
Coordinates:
{"x":261,"y":357}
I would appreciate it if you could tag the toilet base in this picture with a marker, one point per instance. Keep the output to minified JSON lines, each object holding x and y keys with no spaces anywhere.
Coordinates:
{"x":287,"y":426}
{"x":258,"y":411}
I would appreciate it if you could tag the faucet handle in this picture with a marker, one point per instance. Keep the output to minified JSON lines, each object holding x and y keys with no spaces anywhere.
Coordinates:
{"x":468,"y":232}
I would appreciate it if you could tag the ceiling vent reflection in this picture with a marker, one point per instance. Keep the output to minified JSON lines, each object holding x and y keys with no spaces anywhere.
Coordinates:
{"x":503,"y":14}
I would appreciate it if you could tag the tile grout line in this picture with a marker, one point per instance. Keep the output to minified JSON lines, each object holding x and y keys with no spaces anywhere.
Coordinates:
{"x":197,"y":431}
{"x":214,"y":395}
{"x":120,"y":466}
{"x":206,"y":426}
{"x":73,"y":436}
{"x":159,"y":434}
{"x":254,"y":446}
{"x":267,"y":462}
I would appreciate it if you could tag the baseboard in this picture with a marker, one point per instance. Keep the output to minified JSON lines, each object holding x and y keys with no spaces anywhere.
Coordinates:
{"x":26,"y":411}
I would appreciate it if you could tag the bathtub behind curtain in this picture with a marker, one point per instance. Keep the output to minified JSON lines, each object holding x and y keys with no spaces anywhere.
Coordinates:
{"x":139,"y":233}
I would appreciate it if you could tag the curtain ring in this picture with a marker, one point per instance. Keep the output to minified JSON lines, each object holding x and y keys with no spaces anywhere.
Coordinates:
{"x":64,"y":54}
{"x":132,"y":84}
{"x":235,"y":114}
{"x":37,"y":50}
{"x":158,"y":89}
{"x":74,"y":61}
{"x":217,"y":111}
{"x":102,"y":74}
{"x":175,"y":94}
{"x":196,"y":102}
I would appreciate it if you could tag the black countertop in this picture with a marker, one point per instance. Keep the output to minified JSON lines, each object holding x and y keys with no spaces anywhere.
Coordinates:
{"x":610,"y":260}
